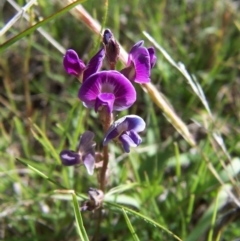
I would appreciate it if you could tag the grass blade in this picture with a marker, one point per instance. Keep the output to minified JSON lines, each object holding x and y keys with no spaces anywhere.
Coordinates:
{"x":40,"y":173}
{"x":81,"y":230}
{"x":17,"y":17}
{"x":214,"y":216}
{"x":43,"y":139}
{"x":39,"y":24}
{"x":192,"y":81}
{"x":143,"y":217}
{"x":131,"y":229}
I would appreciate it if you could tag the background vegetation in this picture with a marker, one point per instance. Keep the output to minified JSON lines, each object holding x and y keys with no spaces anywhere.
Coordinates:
{"x":165,"y":184}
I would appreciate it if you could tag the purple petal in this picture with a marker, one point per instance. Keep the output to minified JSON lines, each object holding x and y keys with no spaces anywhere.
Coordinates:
{"x":72,"y":64}
{"x":108,"y":82}
{"x":129,"y":72}
{"x":126,"y":142}
{"x":135,"y":123}
{"x":129,"y":123}
{"x":153,"y":57}
{"x":70,"y":158}
{"x":111,"y":134}
{"x":135,"y":137}
{"x":135,"y":47}
{"x":89,"y":163}
{"x":105,"y":99}
{"x":107,"y":35}
{"x":141,"y":60}
{"x":86,"y":149}
{"x":86,"y":143}
{"x":94,"y":64}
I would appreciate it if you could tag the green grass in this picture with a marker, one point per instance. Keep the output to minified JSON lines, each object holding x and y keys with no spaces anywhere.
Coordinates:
{"x":163,"y":190}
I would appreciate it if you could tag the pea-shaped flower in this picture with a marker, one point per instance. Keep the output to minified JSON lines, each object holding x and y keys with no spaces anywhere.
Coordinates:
{"x":125,"y":130}
{"x":140,"y":62}
{"x":108,"y":89}
{"x":75,"y":66}
{"x":85,"y":153}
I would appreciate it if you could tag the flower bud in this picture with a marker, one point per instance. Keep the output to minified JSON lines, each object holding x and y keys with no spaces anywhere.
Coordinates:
{"x":95,"y":200}
{"x":111,"y":48}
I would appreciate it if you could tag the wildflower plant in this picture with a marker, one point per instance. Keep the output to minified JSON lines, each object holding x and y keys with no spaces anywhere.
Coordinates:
{"x":107,"y":91}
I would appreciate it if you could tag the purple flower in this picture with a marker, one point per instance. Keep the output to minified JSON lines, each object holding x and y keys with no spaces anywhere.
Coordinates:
{"x":125,"y":131}
{"x":107,"y":88}
{"x":75,"y":66}
{"x":140,"y":62}
{"x":85,"y":153}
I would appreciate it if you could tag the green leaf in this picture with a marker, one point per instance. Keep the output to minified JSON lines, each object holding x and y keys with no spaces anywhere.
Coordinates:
{"x":123,"y":199}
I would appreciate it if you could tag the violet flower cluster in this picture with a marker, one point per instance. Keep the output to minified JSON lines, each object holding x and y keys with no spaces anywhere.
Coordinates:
{"x":107,"y":91}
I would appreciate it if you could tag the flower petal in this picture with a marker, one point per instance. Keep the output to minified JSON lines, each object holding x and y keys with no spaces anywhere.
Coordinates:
{"x":135,"y":123}
{"x":70,"y":158}
{"x":89,"y":163}
{"x":105,"y":99}
{"x":129,"y":72}
{"x":107,"y":35}
{"x":94,"y":64}
{"x":86,"y":143}
{"x":126,"y":142}
{"x":108,"y":82}
{"x":86,"y":149}
{"x":153,"y":57}
{"x":72,"y":64}
{"x":111,"y":134}
{"x":134,"y":49}
{"x":141,"y":60}
{"x":135,"y":137}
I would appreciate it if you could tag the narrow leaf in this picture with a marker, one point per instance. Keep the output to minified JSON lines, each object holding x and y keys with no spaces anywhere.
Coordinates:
{"x":40,"y":173}
{"x":39,"y":24}
{"x":47,"y":144}
{"x":81,"y":230}
{"x":143,"y":217}
{"x":131,"y":229}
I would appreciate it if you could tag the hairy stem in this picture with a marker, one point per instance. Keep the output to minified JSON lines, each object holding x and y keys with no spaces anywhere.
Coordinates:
{"x":104,"y":168}
{"x":106,"y":125}
{"x":106,"y":119}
